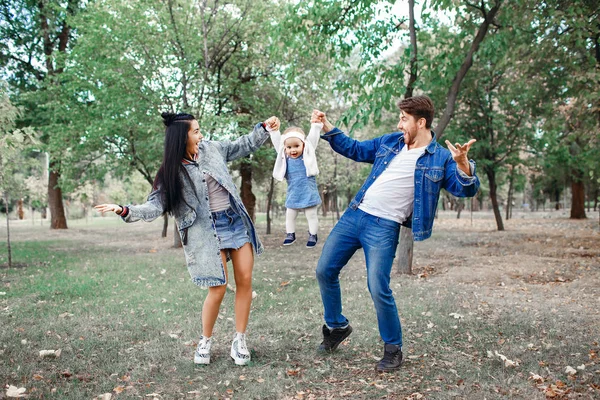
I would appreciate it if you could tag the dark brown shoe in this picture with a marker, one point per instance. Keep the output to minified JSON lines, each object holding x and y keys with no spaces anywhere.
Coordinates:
{"x":392,"y":358}
{"x":332,"y":338}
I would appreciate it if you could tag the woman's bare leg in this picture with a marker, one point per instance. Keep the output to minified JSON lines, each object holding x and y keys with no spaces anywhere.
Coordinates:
{"x":243,"y":262}
{"x":212,"y":303}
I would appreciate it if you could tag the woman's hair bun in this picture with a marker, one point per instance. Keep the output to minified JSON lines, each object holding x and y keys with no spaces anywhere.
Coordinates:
{"x":169,"y":118}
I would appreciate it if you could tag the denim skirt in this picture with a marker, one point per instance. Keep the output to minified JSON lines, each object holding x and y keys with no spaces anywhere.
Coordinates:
{"x":231,"y":231}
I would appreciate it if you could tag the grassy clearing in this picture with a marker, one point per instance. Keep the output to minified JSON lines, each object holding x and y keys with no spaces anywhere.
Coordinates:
{"x":118,"y":303}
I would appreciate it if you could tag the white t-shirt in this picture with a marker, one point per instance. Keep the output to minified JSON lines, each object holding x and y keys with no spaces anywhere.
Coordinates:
{"x":392,"y":194}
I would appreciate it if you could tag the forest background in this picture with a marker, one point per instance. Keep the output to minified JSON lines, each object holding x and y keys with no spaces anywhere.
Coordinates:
{"x":85,"y":82}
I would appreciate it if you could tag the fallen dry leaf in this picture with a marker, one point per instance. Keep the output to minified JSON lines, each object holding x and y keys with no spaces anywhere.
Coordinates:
{"x":570,"y":370}
{"x":16,"y":392}
{"x":119,"y":389}
{"x":537,"y":378}
{"x":50,"y":353}
{"x":507,"y":362}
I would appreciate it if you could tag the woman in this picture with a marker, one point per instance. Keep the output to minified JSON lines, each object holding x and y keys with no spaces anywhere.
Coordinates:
{"x":194,"y":185}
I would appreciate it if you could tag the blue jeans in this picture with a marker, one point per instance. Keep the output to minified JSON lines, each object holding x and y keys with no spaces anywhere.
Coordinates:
{"x":379,"y":239}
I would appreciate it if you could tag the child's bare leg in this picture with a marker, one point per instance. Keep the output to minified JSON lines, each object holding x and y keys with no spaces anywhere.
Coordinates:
{"x":212,"y":303}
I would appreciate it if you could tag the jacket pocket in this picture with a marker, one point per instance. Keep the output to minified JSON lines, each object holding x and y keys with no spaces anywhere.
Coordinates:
{"x":383,"y":151}
{"x":183,"y":223}
{"x":433,"y":180}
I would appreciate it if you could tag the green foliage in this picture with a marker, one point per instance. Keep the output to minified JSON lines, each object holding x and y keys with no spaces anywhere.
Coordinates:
{"x":13,"y":143}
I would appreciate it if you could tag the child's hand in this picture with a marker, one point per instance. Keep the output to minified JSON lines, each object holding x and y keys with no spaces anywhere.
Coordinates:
{"x":273,"y":123}
{"x":117,"y":209}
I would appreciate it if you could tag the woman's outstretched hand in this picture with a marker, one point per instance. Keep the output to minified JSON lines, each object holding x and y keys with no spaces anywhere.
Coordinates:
{"x":117,"y":209}
{"x":273,"y":123}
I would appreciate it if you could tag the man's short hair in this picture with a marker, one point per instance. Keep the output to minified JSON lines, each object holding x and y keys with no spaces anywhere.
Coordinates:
{"x":418,"y":107}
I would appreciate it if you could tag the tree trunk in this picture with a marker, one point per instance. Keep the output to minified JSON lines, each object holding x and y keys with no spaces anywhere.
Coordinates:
{"x":510,"y":194}
{"x":176,"y":237}
{"x":8,"y":232}
{"x":165,"y":228}
{"x":248,"y":198}
{"x":413,"y":50}
{"x":578,"y":200}
{"x":20,"y":212}
{"x":55,"y":202}
{"x":325,"y":202}
{"x":270,"y":203}
{"x":335,"y":188}
{"x":493,"y":196}
{"x":404,"y":252}
{"x":460,"y":205}
{"x":475,"y":205}
{"x":462,"y":72}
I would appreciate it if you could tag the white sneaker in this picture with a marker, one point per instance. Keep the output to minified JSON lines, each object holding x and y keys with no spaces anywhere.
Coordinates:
{"x":202,"y":354}
{"x":239,"y":350}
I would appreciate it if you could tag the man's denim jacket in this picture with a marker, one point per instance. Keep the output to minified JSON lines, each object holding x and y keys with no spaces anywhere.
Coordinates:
{"x":194,"y":218}
{"x":435,"y":169}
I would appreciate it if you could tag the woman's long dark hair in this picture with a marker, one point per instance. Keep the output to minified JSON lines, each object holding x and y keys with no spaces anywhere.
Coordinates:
{"x":168,"y":177}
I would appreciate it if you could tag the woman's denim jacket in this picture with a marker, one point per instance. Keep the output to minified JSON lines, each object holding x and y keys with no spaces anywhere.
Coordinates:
{"x":193,"y":216}
{"x":435,"y":169}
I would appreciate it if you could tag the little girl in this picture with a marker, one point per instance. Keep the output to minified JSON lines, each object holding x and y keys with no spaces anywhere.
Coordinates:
{"x":297,"y":163}
{"x":194,"y":185}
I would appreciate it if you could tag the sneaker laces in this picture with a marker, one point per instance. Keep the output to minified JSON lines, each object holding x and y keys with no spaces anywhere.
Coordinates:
{"x":388,"y":356}
{"x":204,"y":343}
{"x":242,"y":348}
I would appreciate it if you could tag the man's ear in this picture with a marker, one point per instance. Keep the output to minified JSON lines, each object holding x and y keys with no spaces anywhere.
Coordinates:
{"x":422,"y":123}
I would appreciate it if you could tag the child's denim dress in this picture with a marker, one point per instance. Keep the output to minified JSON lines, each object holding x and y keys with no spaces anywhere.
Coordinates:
{"x":302,"y":191}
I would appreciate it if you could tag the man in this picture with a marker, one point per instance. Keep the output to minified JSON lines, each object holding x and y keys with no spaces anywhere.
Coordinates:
{"x":409,"y":170}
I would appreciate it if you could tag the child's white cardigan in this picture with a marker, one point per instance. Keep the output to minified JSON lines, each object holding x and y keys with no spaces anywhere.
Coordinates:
{"x":309,"y":155}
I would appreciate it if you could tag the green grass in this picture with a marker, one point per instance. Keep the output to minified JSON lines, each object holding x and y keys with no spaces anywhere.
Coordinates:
{"x":113,"y":314}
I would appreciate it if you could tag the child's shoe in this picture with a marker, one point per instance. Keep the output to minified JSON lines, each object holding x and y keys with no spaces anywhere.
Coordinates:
{"x":202,"y":354}
{"x":289,"y":239}
{"x":312,"y":240}
{"x":239,"y":350}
